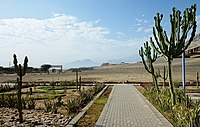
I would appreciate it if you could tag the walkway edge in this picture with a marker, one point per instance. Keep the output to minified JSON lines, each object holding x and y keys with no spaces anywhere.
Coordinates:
{"x":99,"y":122}
{"x":157,"y":113}
{"x":73,"y":122}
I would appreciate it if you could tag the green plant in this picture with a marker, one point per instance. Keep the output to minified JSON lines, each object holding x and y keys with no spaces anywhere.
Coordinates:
{"x":50,"y":106}
{"x":11,"y":101}
{"x":59,"y":101}
{"x":174,"y":46}
{"x":21,"y":71}
{"x":2,"y":100}
{"x":164,"y":76}
{"x":186,"y":113}
{"x":148,"y":63}
{"x":186,"y":117}
{"x":7,"y":88}
{"x":177,"y":84}
{"x":73,"y":105}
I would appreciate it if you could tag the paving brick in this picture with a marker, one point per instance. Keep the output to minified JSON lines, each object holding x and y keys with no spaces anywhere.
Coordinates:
{"x":126,"y":107}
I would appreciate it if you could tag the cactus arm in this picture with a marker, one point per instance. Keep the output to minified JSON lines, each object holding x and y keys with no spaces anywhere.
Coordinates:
{"x":15,"y":64}
{"x":165,"y":73}
{"x":154,"y":47}
{"x":141,"y":53}
{"x":155,"y":55}
{"x":161,"y":41}
{"x":158,"y":74}
{"x":192,"y":35}
{"x":25,"y":65}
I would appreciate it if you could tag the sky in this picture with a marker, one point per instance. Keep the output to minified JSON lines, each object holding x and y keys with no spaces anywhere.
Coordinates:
{"x":63,"y":31}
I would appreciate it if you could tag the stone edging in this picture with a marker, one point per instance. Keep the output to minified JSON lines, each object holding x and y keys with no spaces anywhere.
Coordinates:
{"x":99,"y":123}
{"x":157,"y":113}
{"x":73,"y":122}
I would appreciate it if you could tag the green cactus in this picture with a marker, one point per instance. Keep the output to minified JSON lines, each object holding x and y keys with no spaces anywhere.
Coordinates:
{"x":164,"y":76}
{"x":148,"y":63}
{"x":21,"y":71}
{"x":174,"y":46}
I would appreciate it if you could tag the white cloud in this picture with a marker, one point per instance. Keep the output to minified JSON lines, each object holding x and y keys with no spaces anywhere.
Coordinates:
{"x":139,"y":29}
{"x":58,"y":40}
{"x":148,"y":30}
{"x":139,"y":20}
{"x":120,"y":33}
{"x":142,"y":25}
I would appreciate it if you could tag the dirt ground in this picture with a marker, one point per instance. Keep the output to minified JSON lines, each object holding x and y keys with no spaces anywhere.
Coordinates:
{"x":134,"y":72}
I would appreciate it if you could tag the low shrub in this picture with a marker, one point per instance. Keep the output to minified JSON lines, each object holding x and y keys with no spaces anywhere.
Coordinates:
{"x":186,"y":117}
{"x":7,"y":88}
{"x":185,"y":113}
{"x":11,"y":101}
{"x":50,"y":106}
{"x":74,"y":105}
{"x":31,"y":103}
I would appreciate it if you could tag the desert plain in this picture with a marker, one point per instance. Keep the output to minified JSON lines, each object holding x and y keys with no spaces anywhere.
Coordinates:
{"x":132,"y":72}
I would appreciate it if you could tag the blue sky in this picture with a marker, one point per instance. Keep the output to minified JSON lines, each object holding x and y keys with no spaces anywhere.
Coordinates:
{"x":59,"y":32}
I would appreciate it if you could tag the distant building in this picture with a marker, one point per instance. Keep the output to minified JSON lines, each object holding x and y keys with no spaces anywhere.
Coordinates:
{"x":56,"y":69}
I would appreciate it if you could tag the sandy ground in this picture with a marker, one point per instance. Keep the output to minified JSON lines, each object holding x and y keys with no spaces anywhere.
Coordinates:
{"x":123,"y":72}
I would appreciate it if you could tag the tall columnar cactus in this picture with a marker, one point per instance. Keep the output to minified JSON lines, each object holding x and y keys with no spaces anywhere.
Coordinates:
{"x":148,"y":63}
{"x":21,"y":71}
{"x":172,"y":47}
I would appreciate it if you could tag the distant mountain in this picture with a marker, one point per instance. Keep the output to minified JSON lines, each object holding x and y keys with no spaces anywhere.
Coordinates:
{"x":195,"y":43}
{"x":81,"y":63}
{"x":132,"y":58}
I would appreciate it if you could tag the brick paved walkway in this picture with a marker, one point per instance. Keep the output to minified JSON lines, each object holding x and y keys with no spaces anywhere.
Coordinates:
{"x":126,"y":107}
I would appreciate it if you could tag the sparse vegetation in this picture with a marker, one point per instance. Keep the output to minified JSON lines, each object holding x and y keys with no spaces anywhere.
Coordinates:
{"x":185,"y":113}
{"x":75,"y":104}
